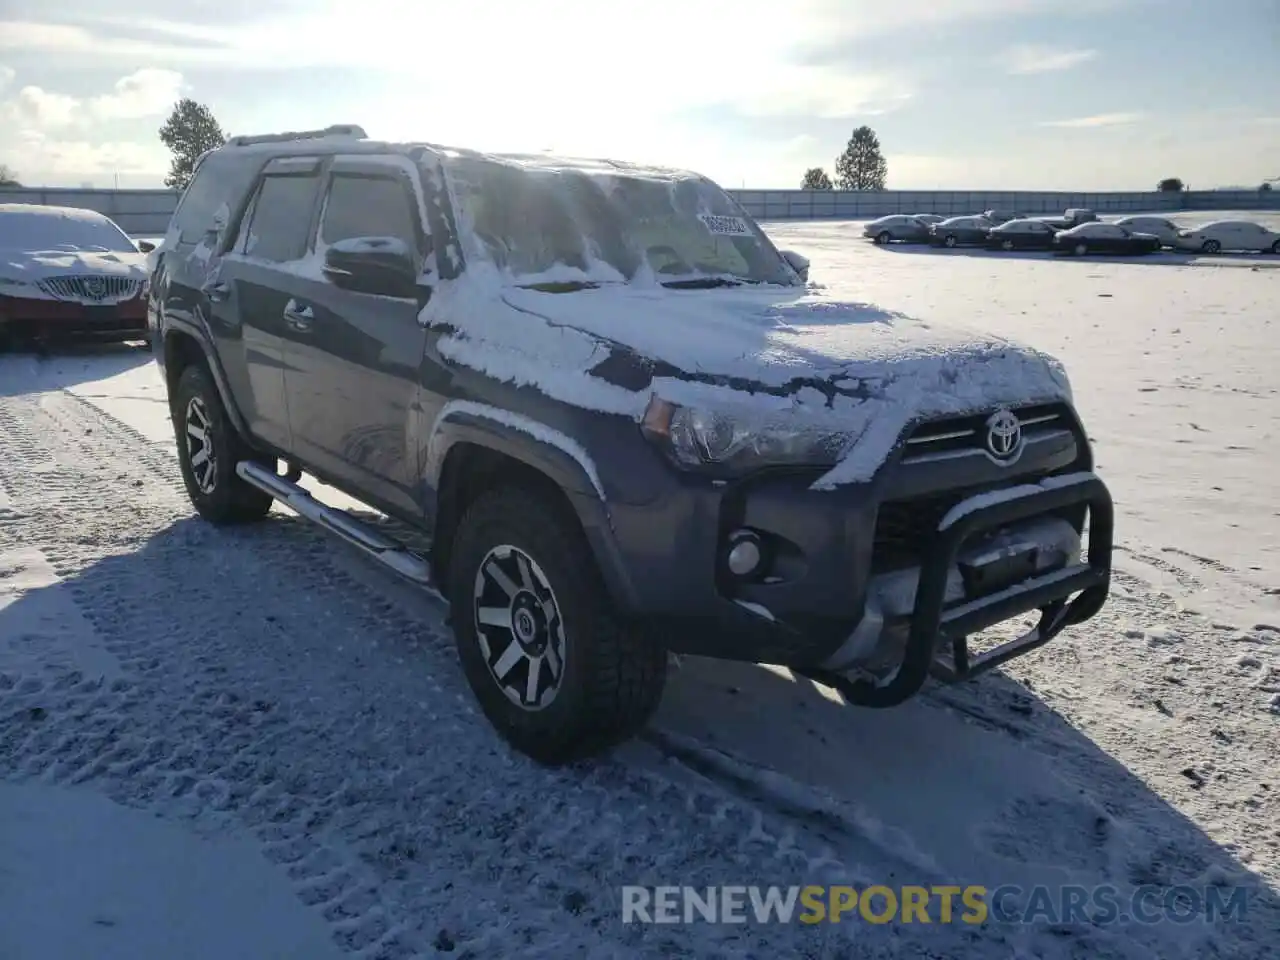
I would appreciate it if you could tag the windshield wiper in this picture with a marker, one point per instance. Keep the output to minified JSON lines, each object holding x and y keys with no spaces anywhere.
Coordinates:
{"x":704,"y":283}
{"x":561,"y":286}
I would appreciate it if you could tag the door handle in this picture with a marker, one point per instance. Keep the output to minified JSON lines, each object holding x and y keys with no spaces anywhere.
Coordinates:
{"x":300,"y":316}
{"x":217,"y":292}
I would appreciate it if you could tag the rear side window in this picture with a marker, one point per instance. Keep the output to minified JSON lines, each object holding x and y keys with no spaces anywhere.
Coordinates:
{"x":278,"y":224}
{"x":219,"y":181}
{"x":365,"y":206}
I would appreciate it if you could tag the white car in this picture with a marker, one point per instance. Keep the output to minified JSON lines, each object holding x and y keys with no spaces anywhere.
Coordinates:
{"x":1160,"y":227}
{"x":1236,"y":235}
{"x":67,"y":272}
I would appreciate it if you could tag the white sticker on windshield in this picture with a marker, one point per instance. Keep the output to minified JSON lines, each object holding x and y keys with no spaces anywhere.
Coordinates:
{"x":726,"y":226}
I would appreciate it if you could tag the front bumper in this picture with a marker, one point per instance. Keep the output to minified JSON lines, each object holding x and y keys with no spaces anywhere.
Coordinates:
{"x":29,"y":318}
{"x":938,"y":630}
{"x":848,"y":616}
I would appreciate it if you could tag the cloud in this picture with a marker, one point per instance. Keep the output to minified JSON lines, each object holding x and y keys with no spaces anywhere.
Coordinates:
{"x":6,"y":76}
{"x":33,"y":107}
{"x":145,"y":93}
{"x":1030,"y":58}
{"x":1097,"y":120}
{"x":53,"y":137}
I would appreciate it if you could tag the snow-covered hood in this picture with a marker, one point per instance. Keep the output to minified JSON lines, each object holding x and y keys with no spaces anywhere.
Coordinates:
{"x":29,"y":267}
{"x":787,"y":341}
{"x":796,"y":352}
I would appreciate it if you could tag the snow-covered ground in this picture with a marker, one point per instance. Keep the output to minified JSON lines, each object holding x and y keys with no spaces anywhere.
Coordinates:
{"x":254,"y":743}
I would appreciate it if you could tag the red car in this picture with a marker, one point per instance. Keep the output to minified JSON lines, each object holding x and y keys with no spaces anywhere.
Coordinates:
{"x":69,"y":273}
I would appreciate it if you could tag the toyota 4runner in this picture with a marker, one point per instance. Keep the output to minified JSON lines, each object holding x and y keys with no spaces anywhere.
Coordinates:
{"x":607,"y":419}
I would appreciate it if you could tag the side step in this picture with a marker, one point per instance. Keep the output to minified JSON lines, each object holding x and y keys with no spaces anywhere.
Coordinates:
{"x":383,"y":549}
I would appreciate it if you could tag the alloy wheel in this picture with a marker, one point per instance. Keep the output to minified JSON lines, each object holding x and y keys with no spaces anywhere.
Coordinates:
{"x":519,"y":627}
{"x":201,"y":454}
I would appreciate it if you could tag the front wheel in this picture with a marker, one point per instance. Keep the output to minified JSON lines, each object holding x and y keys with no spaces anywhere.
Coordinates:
{"x":1007,"y":245}
{"x":950,"y":241}
{"x":209,"y":449}
{"x":1275,"y":247}
{"x":1080,"y":249}
{"x":559,"y":675}
{"x":883,"y":238}
{"x":1211,"y":246}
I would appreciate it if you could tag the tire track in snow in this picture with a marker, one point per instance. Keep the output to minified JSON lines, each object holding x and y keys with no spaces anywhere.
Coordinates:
{"x":341,"y":733}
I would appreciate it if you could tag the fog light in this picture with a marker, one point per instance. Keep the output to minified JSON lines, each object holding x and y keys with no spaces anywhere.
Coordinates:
{"x":744,"y":555}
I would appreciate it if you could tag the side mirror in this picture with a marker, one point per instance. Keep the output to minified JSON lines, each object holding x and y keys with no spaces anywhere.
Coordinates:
{"x":797,"y":263}
{"x":384,"y":266}
{"x":145,"y":246}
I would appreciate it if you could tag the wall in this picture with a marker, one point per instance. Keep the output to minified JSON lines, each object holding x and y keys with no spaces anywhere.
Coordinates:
{"x":145,"y":213}
{"x":857,"y":205}
{"x":141,"y":213}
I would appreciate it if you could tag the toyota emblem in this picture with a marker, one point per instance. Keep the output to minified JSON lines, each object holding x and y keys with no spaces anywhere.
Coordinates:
{"x":1004,"y":436}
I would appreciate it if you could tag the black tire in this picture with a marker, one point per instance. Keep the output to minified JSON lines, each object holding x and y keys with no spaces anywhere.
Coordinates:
{"x":883,"y":238}
{"x":950,"y":241}
{"x":1275,"y":247}
{"x":217,"y":493}
{"x":611,"y":675}
{"x":1211,"y":247}
{"x":1006,"y":245}
{"x":1080,"y":249}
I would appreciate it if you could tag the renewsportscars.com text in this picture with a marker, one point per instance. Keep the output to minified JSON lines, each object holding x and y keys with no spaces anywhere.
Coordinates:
{"x":971,"y":905}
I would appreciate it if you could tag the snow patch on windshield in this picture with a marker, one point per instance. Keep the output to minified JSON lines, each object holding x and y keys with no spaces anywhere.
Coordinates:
{"x":38,"y":228}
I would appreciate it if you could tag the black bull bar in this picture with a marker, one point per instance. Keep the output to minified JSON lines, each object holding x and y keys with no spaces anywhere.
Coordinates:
{"x":934,"y":626}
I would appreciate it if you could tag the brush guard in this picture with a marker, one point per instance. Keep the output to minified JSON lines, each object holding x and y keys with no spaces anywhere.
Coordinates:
{"x":938,"y":643}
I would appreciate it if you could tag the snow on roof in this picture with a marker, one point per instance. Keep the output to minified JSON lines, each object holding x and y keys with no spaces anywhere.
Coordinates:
{"x":48,"y":210}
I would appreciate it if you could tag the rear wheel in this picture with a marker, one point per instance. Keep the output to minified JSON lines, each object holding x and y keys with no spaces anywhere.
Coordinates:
{"x":209,"y":449}
{"x":559,"y":675}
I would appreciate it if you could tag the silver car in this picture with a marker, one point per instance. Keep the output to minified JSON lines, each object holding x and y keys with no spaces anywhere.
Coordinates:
{"x":899,"y":227}
{"x":1161,"y":227}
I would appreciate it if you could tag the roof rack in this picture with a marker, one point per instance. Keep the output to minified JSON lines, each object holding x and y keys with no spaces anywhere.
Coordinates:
{"x":352,"y":130}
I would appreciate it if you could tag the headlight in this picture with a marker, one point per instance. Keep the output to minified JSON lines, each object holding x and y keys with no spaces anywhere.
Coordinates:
{"x":716,"y":441}
{"x":5,"y":282}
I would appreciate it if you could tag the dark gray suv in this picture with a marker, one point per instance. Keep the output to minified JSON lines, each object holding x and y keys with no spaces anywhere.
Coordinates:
{"x":609,"y":420}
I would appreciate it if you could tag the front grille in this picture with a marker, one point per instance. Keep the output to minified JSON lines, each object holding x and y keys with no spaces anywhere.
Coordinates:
{"x":91,"y":288}
{"x":905,"y":529}
{"x":963,"y":435}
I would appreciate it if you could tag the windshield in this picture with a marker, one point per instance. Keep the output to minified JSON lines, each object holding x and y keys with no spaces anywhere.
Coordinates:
{"x":32,"y":231}
{"x":570,"y":227}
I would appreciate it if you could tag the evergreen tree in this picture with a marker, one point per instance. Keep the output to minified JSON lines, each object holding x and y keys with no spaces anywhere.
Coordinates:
{"x":189,"y":132}
{"x":862,"y":166}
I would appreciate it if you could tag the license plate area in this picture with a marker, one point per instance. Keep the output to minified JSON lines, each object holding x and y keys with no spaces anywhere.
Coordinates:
{"x":100,"y":316}
{"x":982,"y":576}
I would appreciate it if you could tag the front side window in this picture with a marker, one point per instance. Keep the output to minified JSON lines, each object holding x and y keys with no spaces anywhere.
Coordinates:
{"x":565,"y":224}
{"x":369,"y":206}
{"x":279,"y":220}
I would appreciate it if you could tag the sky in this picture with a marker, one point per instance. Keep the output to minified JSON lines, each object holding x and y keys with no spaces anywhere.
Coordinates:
{"x":982,"y":94}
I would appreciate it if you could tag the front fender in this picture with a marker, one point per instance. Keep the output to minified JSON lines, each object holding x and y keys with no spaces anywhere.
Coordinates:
{"x":550,"y":452}
{"x":193,"y":332}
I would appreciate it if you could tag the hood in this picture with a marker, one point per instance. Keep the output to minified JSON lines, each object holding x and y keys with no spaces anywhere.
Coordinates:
{"x":796,"y":352}
{"x":781,"y":342}
{"x":30,"y":266}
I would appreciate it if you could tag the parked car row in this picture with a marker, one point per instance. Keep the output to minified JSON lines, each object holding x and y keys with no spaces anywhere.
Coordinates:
{"x":1079,"y":232}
